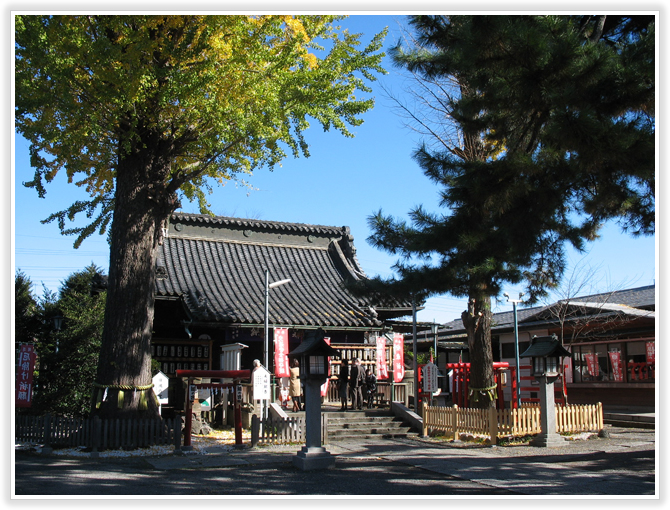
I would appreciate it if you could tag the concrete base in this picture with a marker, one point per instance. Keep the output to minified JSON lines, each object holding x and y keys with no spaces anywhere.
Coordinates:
{"x":548,"y":440}
{"x":312,"y":458}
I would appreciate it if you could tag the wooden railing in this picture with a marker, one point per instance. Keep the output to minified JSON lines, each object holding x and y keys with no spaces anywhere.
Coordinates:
{"x":509,"y":422}
{"x":386,"y":393}
{"x":96,"y":433}
{"x":278,"y":430}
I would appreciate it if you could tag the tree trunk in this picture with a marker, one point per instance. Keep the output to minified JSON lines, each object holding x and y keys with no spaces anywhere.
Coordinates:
{"x":477,"y":322}
{"x":140,"y":209}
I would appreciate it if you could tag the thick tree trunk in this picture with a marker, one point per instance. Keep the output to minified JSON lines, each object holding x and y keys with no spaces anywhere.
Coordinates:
{"x":477,"y":322}
{"x":125,"y":357}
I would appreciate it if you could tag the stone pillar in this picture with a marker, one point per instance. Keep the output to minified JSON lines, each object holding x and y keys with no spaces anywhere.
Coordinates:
{"x":548,"y":436}
{"x":313,"y":455}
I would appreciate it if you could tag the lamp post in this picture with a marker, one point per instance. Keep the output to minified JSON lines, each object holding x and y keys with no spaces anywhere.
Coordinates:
{"x":545,"y":353}
{"x":313,"y":354}
{"x":269,"y":286}
{"x":414,"y":352}
{"x":516,"y":347}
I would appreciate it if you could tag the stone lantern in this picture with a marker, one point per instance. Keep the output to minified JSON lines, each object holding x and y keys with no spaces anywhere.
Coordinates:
{"x":313,"y":354}
{"x":545,"y":353}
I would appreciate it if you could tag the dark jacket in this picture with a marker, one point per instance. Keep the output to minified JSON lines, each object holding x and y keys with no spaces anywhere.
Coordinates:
{"x":356,"y":376}
{"x":343,"y":378}
{"x":371,"y":382}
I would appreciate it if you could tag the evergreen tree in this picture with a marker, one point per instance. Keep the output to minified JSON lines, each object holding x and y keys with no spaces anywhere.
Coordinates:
{"x":68,"y":357}
{"x":26,"y":323}
{"x":556,"y":136}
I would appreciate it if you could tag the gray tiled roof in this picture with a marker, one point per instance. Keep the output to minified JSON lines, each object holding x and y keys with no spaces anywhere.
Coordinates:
{"x":642,"y":298}
{"x":217,"y":266}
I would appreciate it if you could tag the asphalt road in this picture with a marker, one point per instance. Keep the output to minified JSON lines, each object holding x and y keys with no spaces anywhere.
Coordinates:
{"x":623,"y":464}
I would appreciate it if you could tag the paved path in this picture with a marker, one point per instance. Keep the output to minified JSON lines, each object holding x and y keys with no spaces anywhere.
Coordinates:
{"x":623,"y":464}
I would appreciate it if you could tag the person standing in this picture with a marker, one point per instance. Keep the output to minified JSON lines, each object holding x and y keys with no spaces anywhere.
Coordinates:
{"x":356,"y":382}
{"x":294,"y":385}
{"x":370,"y":386}
{"x":343,"y":384}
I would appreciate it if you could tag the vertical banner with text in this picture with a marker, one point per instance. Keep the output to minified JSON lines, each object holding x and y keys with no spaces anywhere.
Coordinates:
{"x":651,"y":352}
{"x":281,"y":352}
{"x":398,"y":357}
{"x":382,"y":369}
{"x":24,"y":375}
{"x":592,"y":364}
{"x":324,"y":386}
{"x":615,"y":359}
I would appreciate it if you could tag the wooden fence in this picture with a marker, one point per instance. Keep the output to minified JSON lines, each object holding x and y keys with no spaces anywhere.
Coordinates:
{"x":509,"y":422}
{"x":96,"y":433}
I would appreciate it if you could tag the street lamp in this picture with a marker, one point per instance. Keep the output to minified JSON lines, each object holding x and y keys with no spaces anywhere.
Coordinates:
{"x":58,"y":324}
{"x":516,"y":347}
{"x":269,"y":286}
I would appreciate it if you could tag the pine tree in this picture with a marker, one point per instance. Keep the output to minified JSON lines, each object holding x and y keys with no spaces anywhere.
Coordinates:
{"x":556,"y":136}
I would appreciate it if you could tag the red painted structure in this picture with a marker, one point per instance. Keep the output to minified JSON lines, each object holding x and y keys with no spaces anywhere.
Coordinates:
{"x":236,"y":375}
{"x":461,"y":382}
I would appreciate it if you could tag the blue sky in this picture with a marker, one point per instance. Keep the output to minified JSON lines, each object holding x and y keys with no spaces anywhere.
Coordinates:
{"x":343,"y":182}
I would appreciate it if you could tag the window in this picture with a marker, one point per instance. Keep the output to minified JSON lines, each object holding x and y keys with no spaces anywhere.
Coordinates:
{"x":614,"y":362}
{"x":316,"y":365}
{"x":508,"y":349}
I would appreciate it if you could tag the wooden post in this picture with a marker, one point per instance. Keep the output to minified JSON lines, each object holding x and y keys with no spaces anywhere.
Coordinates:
{"x":46,"y":449}
{"x":176,"y":430}
{"x":188,"y":416}
{"x":96,"y":430}
{"x":454,"y":422}
{"x":424,"y":413}
{"x":493,"y":425}
{"x":237,"y":407}
{"x":599,"y":410}
{"x":255,"y":429}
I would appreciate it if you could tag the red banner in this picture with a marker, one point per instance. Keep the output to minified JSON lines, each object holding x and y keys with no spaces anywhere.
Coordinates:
{"x":592,"y":364}
{"x":281,"y":352}
{"x":651,"y":352}
{"x":398,"y":357}
{"x":24,"y":376}
{"x":382,"y":369}
{"x":617,"y":372}
{"x":324,"y":386}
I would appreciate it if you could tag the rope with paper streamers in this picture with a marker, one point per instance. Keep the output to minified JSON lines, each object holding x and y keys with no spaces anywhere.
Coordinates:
{"x":475,"y":392}
{"x":101,"y":393}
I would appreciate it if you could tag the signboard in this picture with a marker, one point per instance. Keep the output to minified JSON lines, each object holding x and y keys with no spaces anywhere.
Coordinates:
{"x":382,"y":369}
{"x":161,"y":383}
{"x":324,"y":386}
{"x":261,"y":381}
{"x":281,"y":352}
{"x":24,"y":376}
{"x":430,"y":378}
{"x":398,"y":358}
{"x":615,"y":359}
{"x":651,"y":352}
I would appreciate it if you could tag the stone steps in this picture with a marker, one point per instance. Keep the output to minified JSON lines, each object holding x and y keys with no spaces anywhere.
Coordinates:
{"x":355,"y":425}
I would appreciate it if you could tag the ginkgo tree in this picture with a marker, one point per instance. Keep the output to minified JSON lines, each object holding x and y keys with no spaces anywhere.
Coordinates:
{"x":143,"y":111}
